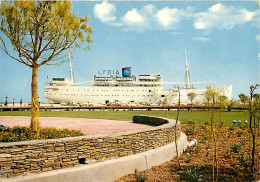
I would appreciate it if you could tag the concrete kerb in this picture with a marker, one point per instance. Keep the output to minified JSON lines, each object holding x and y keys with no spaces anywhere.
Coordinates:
{"x":108,"y":170}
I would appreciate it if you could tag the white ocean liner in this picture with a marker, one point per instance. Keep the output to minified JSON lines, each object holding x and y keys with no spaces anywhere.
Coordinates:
{"x":125,"y":90}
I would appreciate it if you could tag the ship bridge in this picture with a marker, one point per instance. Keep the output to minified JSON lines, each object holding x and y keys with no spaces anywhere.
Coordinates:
{"x":60,"y":82}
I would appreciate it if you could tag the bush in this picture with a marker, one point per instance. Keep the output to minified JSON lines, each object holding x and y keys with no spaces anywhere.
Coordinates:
{"x":190,"y":130}
{"x":204,"y":127}
{"x":245,"y":160}
{"x":206,"y":123}
{"x":149,"y":120}
{"x":192,"y":174}
{"x":203,"y":138}
{"x":231,"y":128}
{"x":196,"y":149}
{"x":228,"y":154}
{"x":190,"y":122}
{"x":188,"y":160}
{"x":50,"y":133}
{"x":239,"y":133}
{"x":20,"y":133}
{"x":140,"y":177}
{"x":235,"y":147}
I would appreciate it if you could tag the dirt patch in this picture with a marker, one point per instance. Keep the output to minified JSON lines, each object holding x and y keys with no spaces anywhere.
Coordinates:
{"x":87,"y":126}
{"x":232,"y":143}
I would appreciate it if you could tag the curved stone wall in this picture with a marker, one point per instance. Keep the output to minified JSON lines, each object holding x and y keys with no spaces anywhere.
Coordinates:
{"x":19,"y":158}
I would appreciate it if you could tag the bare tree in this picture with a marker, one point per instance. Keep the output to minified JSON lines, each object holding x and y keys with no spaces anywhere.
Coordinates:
{"x":252,"y":125}
{"x":177,"y":119}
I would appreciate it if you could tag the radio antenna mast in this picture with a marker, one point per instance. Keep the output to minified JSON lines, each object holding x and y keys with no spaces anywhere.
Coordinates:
{"x":187,"y":72}
{"x":71,"y":72}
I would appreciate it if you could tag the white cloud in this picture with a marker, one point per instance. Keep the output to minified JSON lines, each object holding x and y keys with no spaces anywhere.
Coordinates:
{"x":149,"y":9}
{"x":104,"y":12}
{"x":258,"y":37}
{"x":222,"y":17}
{"x":202,"y":39}
{"x":133,"y":18}
{"x":168,"y":17}
{"x":139,"y":19}
{"x":149,"y":17}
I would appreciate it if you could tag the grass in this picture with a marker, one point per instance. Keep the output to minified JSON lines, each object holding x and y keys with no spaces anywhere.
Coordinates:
{"x":199,"y":117}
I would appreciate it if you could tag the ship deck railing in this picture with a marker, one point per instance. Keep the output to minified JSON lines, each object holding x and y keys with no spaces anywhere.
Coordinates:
{"x":115,"y":107}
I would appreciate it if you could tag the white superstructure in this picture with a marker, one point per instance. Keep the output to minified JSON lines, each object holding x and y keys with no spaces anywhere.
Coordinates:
{"x":125,"y":90}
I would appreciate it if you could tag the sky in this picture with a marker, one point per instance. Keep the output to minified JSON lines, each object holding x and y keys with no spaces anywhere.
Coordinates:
{"x":221,"y":39}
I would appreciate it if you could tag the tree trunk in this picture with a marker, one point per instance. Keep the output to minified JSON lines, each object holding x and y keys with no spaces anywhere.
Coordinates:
{"x":35,"y":124}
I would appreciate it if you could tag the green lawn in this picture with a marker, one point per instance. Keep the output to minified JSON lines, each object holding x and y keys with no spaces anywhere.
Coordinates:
{"x":185,"y":116}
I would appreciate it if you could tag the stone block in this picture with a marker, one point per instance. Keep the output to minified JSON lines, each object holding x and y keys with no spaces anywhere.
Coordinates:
{"x":19,"y":170}
{"x":56,"y":166}
{"x":47,"y":169}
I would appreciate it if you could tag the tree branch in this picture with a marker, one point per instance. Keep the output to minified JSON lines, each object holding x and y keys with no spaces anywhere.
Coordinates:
{"x":6,"y":51}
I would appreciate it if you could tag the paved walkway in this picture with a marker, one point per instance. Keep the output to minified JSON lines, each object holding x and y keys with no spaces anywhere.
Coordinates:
{"x":87,"y":126}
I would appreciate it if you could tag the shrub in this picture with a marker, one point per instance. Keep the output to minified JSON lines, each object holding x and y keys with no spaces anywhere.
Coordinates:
{"x":49,"y":133}
{"x":192,"y":174}
{"x":196,"y":149}
{"x":206,"y":123}
{"x":239,"y":133}
{"x":235,"y":147}
{"x":20,"y":133}
{"x":190,"y":130}
{"x":228,"y":154}
{"x":204,"y":127}
{"x":245,"y":160}
{"x":204,"y":138}
{"x":188,"y":160}
{"x":190,"y":122}
{"x":149,"y":120}
{"x":231,"y":128}
{"x":140,"y":177}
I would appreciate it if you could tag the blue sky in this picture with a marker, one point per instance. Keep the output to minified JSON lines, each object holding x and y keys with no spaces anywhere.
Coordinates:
{"x":221,"y":38}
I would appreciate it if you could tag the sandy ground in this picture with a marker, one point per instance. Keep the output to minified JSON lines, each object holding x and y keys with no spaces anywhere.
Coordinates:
{"x":87,"y":126}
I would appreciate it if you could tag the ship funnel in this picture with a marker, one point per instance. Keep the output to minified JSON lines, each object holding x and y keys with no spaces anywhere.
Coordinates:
{"x":126,"y":72}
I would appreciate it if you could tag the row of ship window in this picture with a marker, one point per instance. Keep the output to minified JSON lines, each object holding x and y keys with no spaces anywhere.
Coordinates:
{"x":98,"y":95}
{"x":127,"y":85}
{"x":107,"y":90}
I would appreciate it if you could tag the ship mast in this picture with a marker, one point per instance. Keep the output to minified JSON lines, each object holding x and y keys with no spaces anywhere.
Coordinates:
{"x":187,"y":72}
{"x":71,"y":72}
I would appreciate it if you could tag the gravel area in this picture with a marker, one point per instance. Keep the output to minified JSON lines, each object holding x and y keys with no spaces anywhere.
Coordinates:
{"x":87,"y":126}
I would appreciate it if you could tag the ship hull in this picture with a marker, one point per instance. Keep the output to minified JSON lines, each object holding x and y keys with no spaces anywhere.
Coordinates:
{"x":126,"y":95}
